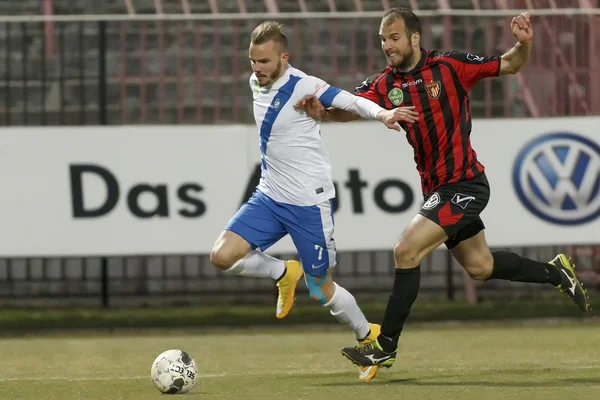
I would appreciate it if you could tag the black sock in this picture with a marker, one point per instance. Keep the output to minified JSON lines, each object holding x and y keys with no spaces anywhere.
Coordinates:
{"x":406,"y":287}
{"x":512,"y":267}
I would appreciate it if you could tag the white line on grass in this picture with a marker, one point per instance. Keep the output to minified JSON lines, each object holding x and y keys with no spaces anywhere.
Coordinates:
{"x":100,"y":378}
{"x":223,"y":374}
{"x":139,"y":377}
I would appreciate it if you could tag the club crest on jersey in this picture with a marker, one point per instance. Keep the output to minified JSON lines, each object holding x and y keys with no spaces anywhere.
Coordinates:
{"x":434,"y":89}
{"x":396,"y":96}
{"x":276,"y":103}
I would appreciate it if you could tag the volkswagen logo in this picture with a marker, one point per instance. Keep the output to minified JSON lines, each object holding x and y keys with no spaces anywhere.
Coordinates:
{"x":557,"y":177}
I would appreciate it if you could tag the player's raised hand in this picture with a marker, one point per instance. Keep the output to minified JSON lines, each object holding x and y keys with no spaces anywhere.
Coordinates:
{"x":521,"y":28}
{"x":312,"y":106}
{"x":400,"y":114}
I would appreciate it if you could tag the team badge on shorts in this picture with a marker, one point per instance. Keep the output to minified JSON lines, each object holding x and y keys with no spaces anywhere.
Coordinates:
{"x":432,"y":202}
{"x":434,"y":89}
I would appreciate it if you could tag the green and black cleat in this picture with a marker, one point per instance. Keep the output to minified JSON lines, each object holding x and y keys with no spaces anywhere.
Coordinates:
{"x":570,"y":286}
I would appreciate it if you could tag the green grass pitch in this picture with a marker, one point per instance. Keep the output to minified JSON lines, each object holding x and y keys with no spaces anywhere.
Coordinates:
{"x":484,"y":362}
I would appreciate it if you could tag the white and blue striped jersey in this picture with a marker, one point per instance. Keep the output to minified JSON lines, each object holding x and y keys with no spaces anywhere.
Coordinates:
{"x":295,"y":165}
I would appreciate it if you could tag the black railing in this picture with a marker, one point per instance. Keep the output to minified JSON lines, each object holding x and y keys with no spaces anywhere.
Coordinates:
{"x":85,"y":73}
{"x":141,"y":72}
{"x":164,"y":279}
{"x":47,"y":78}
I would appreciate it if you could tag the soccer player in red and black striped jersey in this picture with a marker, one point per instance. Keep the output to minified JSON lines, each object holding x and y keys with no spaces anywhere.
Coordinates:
{"x":433,"y":87}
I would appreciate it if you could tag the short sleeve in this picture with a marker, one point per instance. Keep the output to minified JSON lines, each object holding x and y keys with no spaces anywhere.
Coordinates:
{"x":472,"y":68}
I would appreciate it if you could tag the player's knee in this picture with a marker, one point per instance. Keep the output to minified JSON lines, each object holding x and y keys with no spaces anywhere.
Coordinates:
{"x":480,"y":267}
{"x":405,"y":255}
{"x":221,"y":258}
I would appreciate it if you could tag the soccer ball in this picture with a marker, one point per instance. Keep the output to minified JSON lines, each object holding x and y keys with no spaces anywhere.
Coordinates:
{"x":174,"y":371}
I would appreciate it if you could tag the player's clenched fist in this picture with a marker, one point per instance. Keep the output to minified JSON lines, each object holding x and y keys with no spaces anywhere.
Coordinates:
{"x":521,"y":28}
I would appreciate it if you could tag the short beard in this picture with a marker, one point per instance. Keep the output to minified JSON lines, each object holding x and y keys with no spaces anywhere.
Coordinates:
{"x":406,"y":60}
{"x":273,"y":75}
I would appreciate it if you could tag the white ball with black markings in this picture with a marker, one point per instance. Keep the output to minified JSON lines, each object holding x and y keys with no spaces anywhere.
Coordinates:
{"x":174,"y":372}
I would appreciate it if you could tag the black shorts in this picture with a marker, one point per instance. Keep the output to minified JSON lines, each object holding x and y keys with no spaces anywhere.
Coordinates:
{"x":456,"y":208}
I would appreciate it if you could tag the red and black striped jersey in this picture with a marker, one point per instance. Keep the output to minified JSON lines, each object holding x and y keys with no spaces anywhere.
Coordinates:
{"x":438,"y":88}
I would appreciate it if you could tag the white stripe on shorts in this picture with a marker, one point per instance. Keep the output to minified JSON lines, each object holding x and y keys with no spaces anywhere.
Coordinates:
{"x":328,"y":229}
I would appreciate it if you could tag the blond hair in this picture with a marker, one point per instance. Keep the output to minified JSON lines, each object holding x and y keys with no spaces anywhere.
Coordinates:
{"x":269,"y":30}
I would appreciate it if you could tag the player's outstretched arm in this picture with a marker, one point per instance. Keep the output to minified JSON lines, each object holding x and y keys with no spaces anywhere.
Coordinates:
{"x":371,"y":110}
{"x":329,"y":96}
{"x":348,"y":107}
{"x":515,"y":59}
{"x":339,"y":115}
{"x":315,"y":109}
{"x":347,"y":101}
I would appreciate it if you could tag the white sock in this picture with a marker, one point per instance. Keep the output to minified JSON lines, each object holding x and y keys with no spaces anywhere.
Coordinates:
{"x":258,"y":265}
{"x":344,"y":308}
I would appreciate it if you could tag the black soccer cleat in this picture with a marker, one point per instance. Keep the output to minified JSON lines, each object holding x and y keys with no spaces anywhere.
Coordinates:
{"x":368,"y":354}
{"x":570,"y":286}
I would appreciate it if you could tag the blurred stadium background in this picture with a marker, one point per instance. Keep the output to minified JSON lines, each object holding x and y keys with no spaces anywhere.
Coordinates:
{"x":142,"y":62}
